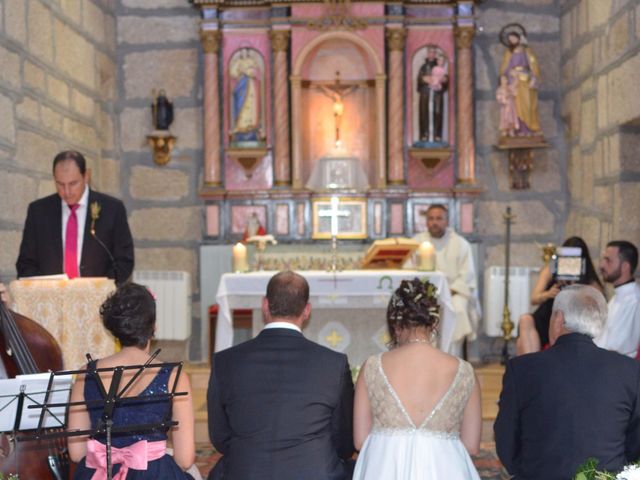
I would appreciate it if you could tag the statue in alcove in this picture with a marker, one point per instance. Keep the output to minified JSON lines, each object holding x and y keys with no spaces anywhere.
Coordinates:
{"x":519,"y":82}
{"x":432,"y":84}
{"x":247,"y":76}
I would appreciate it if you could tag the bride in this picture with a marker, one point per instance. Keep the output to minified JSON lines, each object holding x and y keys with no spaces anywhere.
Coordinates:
{"x":417,"y":413}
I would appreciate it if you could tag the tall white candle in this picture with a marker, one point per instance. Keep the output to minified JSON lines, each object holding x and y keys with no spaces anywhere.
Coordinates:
{"x":426,"y":256}
{"x":239,"y":257}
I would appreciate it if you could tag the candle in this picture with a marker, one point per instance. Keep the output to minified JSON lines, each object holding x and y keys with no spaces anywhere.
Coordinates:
{"x":426,"y":256}
{"x":240,"y":258}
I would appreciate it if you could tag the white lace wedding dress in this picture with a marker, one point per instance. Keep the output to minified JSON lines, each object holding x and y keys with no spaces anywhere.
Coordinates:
{"x":396,"y":449}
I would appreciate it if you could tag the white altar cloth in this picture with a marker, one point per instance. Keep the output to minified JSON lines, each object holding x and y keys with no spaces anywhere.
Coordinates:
{"x":353,"y":289}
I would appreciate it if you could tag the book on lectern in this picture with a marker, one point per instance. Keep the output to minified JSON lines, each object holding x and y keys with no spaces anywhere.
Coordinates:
{"x":389,"y":253}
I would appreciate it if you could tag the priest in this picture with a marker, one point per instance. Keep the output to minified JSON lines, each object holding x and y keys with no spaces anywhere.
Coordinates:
{"x":454,"y":258}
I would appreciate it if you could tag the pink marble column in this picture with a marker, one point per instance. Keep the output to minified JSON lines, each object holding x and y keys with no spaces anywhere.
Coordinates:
{"x":296,"y":140}
{"x":395,"y":37}
{"x":280,"y":45}
{"x":464,"y":85}
{"x":381,"y":145}
{"x":211,"y":45}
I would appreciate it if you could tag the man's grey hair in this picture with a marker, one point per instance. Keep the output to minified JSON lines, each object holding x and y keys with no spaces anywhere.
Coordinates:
{"x":584,"y":309}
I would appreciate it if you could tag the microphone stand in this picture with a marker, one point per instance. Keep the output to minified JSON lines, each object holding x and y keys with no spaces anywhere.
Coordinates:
{"x":114,"y":265}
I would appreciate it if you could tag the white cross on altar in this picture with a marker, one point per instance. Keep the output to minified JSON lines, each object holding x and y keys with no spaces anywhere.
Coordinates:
{"x":334,"y":213}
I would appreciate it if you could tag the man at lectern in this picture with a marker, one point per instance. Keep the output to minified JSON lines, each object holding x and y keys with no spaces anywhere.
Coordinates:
{"x":77,"y":231}
{"x":454,"y":258}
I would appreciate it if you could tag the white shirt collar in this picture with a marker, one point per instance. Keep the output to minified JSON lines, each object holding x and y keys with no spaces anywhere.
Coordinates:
{"x":287,"y":325}
{"x":626,"y":288}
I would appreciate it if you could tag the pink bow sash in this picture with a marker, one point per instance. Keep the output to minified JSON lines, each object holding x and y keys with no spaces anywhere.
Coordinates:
{"x":135,"y":456}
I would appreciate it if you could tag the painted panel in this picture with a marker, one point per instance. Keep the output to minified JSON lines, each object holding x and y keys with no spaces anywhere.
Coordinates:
{"x":282,"y":219}
{"x":240,"y":215}
{"x":213,"y":220}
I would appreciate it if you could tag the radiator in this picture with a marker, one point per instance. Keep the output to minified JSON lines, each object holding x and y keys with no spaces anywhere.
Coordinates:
{"x":519,"y":297}
{"x":172,"y":290}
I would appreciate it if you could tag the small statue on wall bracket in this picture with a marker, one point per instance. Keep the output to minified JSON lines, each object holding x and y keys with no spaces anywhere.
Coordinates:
{"x":161,"y":140}
{"x":161,"y":111}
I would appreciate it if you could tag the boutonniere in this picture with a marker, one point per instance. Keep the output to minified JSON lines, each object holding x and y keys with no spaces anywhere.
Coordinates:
{"x":95,"y":215}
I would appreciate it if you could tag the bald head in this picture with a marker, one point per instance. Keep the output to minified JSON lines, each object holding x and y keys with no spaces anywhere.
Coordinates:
{"x":287,"y":295}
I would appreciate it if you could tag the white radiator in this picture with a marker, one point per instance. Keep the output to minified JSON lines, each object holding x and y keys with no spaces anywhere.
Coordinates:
{"x":519,"y":297}
{"x":172,"y":290}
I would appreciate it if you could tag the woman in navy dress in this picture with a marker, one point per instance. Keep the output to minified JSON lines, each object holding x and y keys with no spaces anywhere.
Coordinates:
{"x":129,"y":314}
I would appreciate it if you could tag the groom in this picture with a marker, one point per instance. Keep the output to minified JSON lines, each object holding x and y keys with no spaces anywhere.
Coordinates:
{"x":280,"y":406}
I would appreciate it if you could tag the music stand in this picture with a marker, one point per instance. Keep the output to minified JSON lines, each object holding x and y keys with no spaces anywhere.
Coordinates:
{"x":25,"y":390}
{"x":110,"y":399}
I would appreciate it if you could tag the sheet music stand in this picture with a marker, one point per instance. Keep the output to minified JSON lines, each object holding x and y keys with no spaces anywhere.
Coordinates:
{"x":26,"y":390}
{"x":110,"y":399}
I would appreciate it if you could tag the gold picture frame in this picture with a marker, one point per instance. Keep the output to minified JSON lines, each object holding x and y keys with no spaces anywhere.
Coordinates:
{"x":352,"y":224}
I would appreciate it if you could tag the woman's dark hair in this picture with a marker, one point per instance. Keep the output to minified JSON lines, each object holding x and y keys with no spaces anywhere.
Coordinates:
{"x":413,"y":304}
{"x":130,"y":315}
{"x":590,"y":276}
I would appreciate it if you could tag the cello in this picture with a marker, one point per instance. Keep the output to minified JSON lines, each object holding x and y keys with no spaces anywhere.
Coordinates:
{"x":26,"y":348}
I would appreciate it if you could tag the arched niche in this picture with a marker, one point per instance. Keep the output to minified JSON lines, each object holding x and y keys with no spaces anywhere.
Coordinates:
{"x":313,"y":123}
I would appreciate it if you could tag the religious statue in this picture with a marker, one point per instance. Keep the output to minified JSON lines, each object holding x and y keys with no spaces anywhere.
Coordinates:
{"x":520,"y":73}
{"x":337,"y":92}
{"x":161,"y":111}
{"x":432,"y":85}
{"x":246,"y":99}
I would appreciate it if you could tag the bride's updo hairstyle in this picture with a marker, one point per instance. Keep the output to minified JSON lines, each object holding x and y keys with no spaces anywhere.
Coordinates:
{"x":414,"y":304}
{"x":130,"y":315}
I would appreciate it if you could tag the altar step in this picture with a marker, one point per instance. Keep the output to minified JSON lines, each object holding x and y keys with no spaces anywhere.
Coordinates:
{"x":489,"y":376}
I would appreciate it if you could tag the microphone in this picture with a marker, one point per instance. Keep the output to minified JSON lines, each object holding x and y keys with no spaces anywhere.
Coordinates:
{"x":114,"y":265}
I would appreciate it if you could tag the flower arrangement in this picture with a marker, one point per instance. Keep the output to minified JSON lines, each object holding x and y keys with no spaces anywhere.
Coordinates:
{"x":589,"y":471}
{"x":12,"y":476}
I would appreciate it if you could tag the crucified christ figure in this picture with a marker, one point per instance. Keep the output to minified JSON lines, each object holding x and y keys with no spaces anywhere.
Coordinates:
{"x":337,"y":92}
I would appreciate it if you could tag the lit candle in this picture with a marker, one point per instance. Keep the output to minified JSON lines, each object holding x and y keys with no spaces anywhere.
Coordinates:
{"x":240,"y":258}
{"x":426,"y":256}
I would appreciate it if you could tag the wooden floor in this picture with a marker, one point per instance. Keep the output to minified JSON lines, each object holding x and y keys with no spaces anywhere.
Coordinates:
{"x":489,"y":376}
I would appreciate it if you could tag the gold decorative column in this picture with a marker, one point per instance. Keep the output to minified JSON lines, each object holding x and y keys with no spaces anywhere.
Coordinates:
{"x":280,"y":45}
{"x":296,"y":140}
{"x":381,"y":146}
{"x":396,"y":38}
{"x":211,"y":45}
{"x":464,"y":85}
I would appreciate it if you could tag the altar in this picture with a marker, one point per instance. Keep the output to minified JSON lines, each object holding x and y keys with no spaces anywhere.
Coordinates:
{"x":348,"y":311}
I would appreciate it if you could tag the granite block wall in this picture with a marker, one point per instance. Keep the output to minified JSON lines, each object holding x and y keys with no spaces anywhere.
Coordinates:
{"x":57,"y":91}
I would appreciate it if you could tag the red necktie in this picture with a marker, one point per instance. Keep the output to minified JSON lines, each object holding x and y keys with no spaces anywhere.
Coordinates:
{"x":71,"y":244}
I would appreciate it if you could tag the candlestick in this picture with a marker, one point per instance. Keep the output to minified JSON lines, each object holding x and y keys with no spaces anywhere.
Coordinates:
{"x":426,"y":256}
{"x":239,"y":257}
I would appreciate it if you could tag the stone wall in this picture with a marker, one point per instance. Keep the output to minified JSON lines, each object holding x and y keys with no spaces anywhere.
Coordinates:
{"x":57,"y":87}
{"x":601,"y":107}
{"x":158,"y":47}
{"x":540,"y":211}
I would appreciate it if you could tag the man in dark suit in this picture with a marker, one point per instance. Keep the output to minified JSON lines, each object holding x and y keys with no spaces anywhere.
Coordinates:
{"x":571,"y":402}
{"x":280,"y":406}
{"x":77,"y":231}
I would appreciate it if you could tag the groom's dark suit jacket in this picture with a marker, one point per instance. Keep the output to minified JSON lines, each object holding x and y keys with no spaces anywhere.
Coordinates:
{"x":568,"y":403}
{"x":41,"y":248}
{"x":280,"y":408}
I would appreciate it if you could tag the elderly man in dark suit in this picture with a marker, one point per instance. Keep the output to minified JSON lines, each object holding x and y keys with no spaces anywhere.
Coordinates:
{"x":573,"y":401}
{"x":280,"y":406}
{"x":76,"y":231}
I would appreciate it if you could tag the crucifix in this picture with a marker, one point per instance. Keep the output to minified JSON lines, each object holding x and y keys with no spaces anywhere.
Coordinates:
{"x":337,"y":92}
{"x":334,"y":213}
